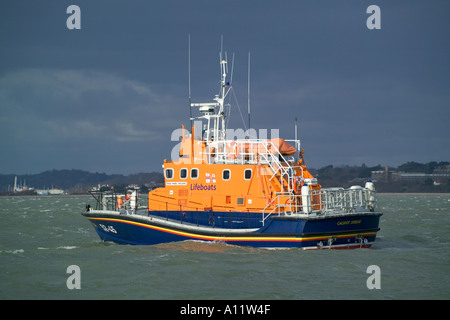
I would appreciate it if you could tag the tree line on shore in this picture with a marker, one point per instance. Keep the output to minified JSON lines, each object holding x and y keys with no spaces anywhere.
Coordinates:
{"x":346,"y":176}
{"x":79,"y":181}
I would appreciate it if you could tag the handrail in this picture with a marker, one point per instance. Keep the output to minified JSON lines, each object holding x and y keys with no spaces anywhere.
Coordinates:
{"x":256,"y":152}
{"x":108,"y":200}
{"x":328,"y":200}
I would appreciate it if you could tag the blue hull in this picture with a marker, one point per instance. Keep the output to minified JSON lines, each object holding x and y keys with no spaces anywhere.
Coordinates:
{"x":345,"y":231}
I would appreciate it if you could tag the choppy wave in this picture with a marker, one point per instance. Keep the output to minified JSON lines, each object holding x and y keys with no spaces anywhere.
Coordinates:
{"x":41,"y":237}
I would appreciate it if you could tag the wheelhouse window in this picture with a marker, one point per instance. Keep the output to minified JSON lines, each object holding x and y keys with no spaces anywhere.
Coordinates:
{"x":169,"y":173}
{"x":248,"y":174}
{"x":194,"y":173}
{"x":226,"y":174}
{"x":183,"y":173}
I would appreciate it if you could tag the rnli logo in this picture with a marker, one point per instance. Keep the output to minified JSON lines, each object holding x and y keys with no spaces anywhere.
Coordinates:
{"x":210,"y":179}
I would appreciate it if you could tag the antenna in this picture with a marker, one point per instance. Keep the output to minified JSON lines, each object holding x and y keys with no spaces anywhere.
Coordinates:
{"x":248,"y":92}
{"x":232,"y":68}
{"x":221,"y":54}
{"x":295,"y":128}
{"x":189,"y":76}
{"x":297,"y":145}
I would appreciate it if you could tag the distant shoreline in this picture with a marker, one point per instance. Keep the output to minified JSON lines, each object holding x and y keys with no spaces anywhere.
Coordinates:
{"x":143,"y":195}
{"x":45,"y":195}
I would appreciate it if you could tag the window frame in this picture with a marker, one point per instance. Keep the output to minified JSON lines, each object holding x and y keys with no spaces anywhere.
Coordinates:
{"x":198,"y":173}
{"x":165,"y":173}
{"x":229,"y":174}
{"x":251,"y":174}
{"x":186,"y":176}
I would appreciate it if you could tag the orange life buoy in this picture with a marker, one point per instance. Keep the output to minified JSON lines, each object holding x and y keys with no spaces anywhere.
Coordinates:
{"x":232,"y":149}
{"x":119,"y":202}
{"x":297,"y":185}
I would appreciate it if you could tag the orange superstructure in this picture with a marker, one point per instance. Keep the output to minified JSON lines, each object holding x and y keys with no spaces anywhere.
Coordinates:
{"x":233,"y":175}
{"x":240,"y":175}
{"x":235,"y":187}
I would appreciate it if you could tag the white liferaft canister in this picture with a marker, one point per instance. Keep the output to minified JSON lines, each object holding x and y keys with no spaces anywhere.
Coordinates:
{"x":371,"y":197}
{"x":306,"y":199}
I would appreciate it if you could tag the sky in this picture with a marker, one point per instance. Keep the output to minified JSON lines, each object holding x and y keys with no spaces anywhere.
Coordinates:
{"x":108,"y":96}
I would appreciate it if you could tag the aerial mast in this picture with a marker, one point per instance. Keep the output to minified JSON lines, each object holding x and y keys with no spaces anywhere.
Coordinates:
{"x":215,"y":129}
{"x":248,"y":93}
{"x":297,"y":145}
{"x":189,"y":76}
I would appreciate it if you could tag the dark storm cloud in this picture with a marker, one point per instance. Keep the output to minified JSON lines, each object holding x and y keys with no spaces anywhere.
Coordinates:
{"x":83,"y":115}
{"x":108,"y":96}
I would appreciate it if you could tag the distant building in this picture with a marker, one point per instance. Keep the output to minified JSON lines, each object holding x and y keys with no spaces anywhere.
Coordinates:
{"x":51,"y":192}
{"x":21,"y":187}
{"x":381,"y":175}
{"x":440,"y":175}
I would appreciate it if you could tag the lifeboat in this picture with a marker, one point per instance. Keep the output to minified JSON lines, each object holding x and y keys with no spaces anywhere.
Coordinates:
{"x":249,"y":192}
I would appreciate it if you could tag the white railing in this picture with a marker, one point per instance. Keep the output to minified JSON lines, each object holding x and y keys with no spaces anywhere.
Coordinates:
{"x":243,"y":151}
{"x":114,"y":201}
{"x":324,"y":201}
{"x":348,"y":200}
{"x":255,"y":151}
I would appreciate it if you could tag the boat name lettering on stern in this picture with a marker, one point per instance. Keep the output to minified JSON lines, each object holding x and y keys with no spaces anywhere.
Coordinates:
{"x":346,"y":222}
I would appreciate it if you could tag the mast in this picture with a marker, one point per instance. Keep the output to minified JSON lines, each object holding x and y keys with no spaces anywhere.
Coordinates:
{"x":189,"y":76}
{"x":221,"y":99}
{"x":295,"y":129}
{"x":213,"y":112}
{"x":248,"y":93}
{"x":296,"y":142}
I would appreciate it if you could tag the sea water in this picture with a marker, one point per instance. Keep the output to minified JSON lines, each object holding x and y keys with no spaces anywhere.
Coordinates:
{"x":41,"y":237}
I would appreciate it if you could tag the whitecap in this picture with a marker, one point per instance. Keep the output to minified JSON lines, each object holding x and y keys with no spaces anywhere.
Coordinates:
{"x":16,"y":251}
{"x":67,"y":247}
